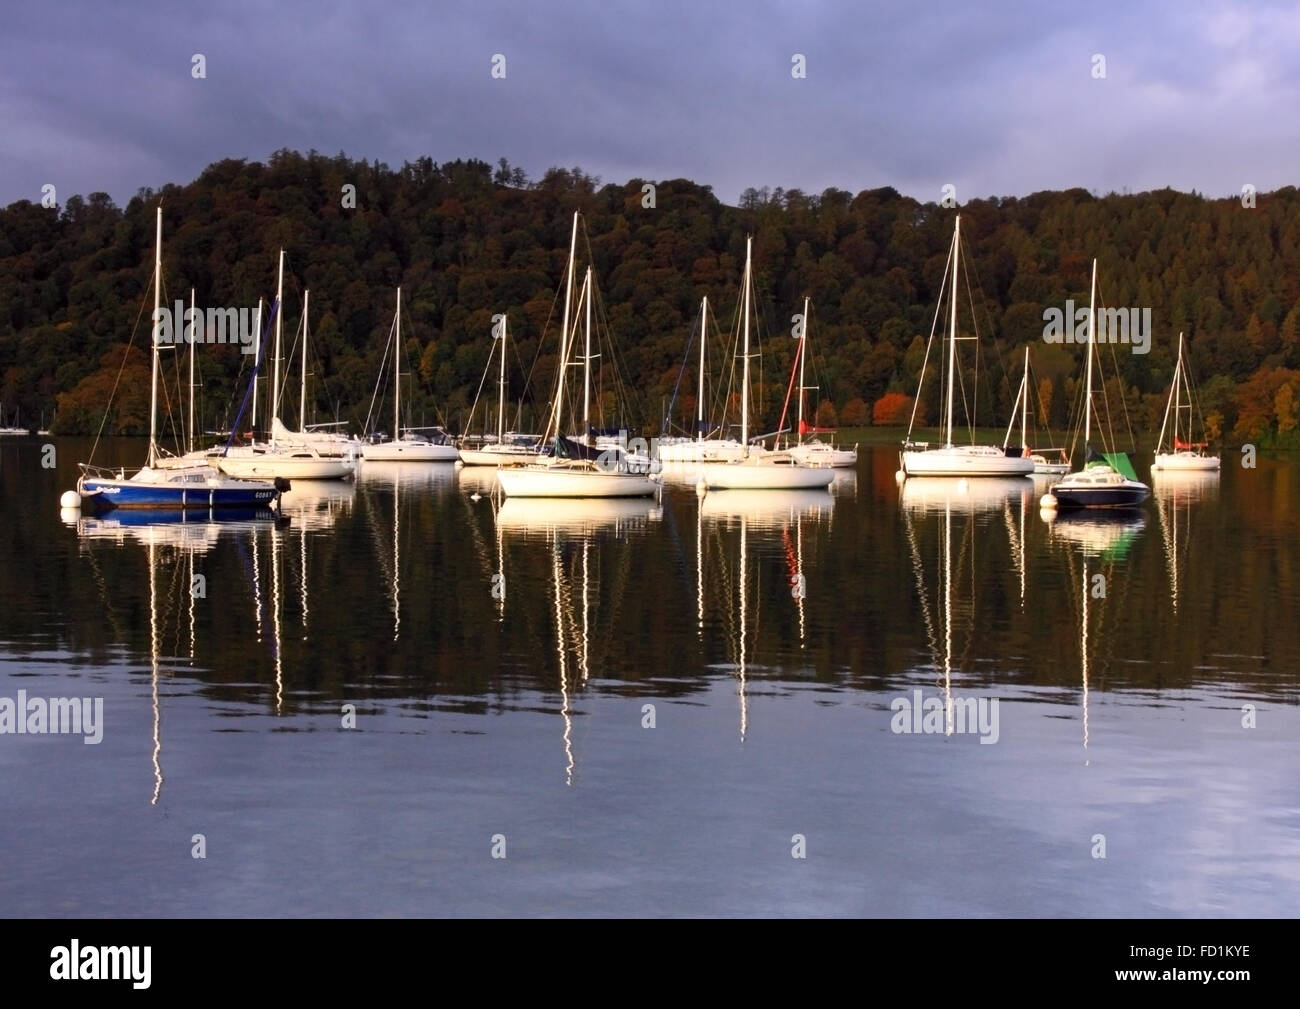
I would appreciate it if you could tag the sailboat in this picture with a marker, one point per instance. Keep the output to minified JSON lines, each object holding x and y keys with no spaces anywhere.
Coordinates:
{"x":13,"y":431}
{"x":406,"y":445}
{"x":1047,"y":461}
{"x":154,"y":487}
{"x":700,"y":448}
{"x":301,"y":455}
{"x":509,"y":449}
{"x":758,"y":470}
{"x":575,"y":469}
{"x":948,"y":459}
{"x":1107,"y":479}
{"x":814,"y":451}
{"x":1182,"y":455}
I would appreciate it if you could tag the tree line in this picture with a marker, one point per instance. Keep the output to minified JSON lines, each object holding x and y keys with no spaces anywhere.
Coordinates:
{"x":467,"y":240}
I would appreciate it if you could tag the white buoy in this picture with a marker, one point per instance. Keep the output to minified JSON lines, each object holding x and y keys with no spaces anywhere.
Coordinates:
{"x":900,"y":476}
{"x":476,"y":496}
{"x":1048,"y":502}
{"x":701,"y":488}
{"x":70,"y":499}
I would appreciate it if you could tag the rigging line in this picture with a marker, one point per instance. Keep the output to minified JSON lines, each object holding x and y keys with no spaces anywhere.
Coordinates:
{"x":970,"y":264}
{"x":383,"y":363}
{"x":125,"y":354}
{"x":934,"y":323}
{"x":492,"y":350}
{"x":248,"y":392}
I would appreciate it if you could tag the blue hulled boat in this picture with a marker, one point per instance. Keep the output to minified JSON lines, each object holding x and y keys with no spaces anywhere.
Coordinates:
{"x":189,"y":487}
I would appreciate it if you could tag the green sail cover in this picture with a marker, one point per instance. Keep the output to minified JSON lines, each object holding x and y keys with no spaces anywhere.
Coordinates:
{"x":1118,"y":461}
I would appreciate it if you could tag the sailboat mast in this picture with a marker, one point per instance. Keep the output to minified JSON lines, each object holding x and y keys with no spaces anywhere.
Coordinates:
{"x":397,"y":371}
{"x":586,"y":363}
{"x":302,"y":385}
{"x":1178,"y":377}
{"x":1092,"y":332}
{"x":803,"y":356}
{"x":699,"y":403}
{"x":744,"y":385}
{"x":193,"y":334}
{"x":1024,"y":407}
{"x":564,"y":328}
{"x":952,"y":334}
{"x":153,"y":384}
{"x":257,"y":360}
{"x":279,"y":317}
{"x":501,"y":394}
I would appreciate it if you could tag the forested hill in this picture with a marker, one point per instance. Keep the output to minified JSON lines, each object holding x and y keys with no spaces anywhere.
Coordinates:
{"x":467,"y":240}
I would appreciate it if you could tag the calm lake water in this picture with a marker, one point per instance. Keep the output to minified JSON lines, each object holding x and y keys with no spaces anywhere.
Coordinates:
{"x":646,"y":709}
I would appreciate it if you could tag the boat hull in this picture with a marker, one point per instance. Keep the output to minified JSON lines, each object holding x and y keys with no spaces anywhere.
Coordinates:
{"x":104,"y":494}
{"x":964,"y":461}
{"x":708,"y":450}
{"x":1186,"y":462}
{"x":270,"y":465}
{"x":489,"y":457}
{"x":825,"y":455}
{"x":406,"y":451}
{"x":563,"y":481}
{"x":1126,"y":495}
{"x":762,"y":473}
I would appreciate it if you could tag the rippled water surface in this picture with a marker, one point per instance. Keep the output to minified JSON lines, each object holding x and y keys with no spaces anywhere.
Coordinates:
{"x":651,"y":707}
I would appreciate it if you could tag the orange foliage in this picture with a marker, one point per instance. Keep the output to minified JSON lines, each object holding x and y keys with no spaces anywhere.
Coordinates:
{"x":891,"y":410}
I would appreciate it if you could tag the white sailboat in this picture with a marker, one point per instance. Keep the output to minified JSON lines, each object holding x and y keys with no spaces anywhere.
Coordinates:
{"x":949,"y":459}
{"x":758,"y":470}
{"x":815,"y":451}
{"x":700,"y":449}
{"x":572,"y":472}
{"x":1182,"y":455}
{"x":408,"y":445}
{"x":509,"y":449}
{"x":1107,"y":480}
{"x":300,"y":455}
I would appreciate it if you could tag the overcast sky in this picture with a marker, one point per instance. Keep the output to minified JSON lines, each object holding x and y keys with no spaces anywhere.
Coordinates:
{"x":996,"y":98}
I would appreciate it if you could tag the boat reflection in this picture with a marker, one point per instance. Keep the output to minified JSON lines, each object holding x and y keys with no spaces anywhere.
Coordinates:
{"x":547,"y":516}
{"x":1096,"y":533}
{"x":768,"y":509}
{"x":411,"y":475}
{"x":939,"y":494}
{"x":1185,"y":486}
{"x":316,"y":505}
{"x":845,"y":484}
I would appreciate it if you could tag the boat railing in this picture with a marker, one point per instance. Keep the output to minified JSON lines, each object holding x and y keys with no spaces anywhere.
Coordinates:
{"x":102,"y":472}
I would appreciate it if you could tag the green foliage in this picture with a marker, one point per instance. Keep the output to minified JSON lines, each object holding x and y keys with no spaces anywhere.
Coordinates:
{"x":466,"y":240}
